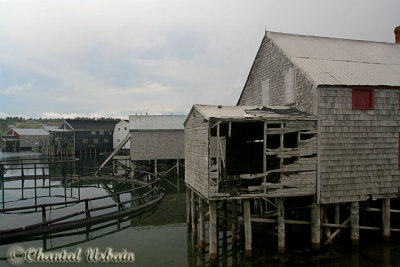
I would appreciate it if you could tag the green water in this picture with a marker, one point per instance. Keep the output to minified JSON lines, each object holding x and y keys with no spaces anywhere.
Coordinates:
{"x":159,"y":237}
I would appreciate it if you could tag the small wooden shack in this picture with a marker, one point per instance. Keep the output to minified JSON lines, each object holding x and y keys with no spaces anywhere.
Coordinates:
{"x":157,"y":138}
{"x":247,"y":151}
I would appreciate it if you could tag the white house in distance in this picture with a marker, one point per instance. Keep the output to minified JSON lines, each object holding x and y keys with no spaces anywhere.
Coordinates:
{"x":120,"y":131}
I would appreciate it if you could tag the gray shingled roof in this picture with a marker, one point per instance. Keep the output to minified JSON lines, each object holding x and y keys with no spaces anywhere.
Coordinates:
{"x":156,"y":122}
{"x":333,"y":61}
{"x":28,"y":131}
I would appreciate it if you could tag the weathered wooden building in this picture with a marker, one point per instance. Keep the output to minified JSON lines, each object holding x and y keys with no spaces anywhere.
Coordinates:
{"x":226,"y":155}
{"x":352,"y":88}
{"x":30,"y":139}
{"x":156,"y":143}
{"x":156,"y":137}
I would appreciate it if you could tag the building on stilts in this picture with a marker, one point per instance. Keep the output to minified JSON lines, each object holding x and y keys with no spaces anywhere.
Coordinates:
{"x":314,"y":141}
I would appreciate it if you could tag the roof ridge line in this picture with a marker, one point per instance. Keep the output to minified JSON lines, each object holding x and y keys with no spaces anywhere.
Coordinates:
{"x":352,"y":61}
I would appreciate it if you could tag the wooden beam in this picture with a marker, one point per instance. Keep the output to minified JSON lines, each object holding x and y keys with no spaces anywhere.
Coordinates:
{"x":247,"y":227}
{"x":355,"y":223}
{"x":217,"y":156}
{"x":234,"y":224}
{"x":315,"y":225}
{"x":337,"y":213}
{"x":281,"y":225}
{"x":188,"y":201}
{"x":265,"y":155}
{"x":386,"y":218}
{"x":213,"y":230}
{"x":155,"y":168}
{"x":202,"y":223}
{"x":335,"y":233}
{"x":193,"y":213}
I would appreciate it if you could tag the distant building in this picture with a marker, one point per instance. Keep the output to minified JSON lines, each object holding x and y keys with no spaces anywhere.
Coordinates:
{"x":156,"y":137}
{"x":30,"y":138}
{"x":90,"y":136}
{"x":120,"y":131}
{"x":9,"y":143}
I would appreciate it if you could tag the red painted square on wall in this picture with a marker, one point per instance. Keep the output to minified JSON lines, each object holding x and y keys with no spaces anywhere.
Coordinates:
{"x":363,"y":98}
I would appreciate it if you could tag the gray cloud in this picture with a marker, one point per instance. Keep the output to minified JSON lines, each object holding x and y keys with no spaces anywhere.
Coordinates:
{"x":113,"y":58}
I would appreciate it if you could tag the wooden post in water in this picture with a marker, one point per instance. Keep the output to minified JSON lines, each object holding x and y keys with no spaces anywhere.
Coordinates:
{"x":281,"y":225}
{"x":188,"y":215}
{"x":193,"y":213}
{"x":44,"y":220}
{"x":386,"y":218}
{"x":225,"y":213}
{"x":234,"y":224}
{"x":315,"y":226}
{"x":177,"y":168}
{"x":355,"y":223}
{"x":213,"y":230}
{"x":247,"y":226}
{"x":177,"y":175}
{"x":337,"y":214}
{"x":202,"y":224}
{"x":155,"y":168}
{"x":2,"y":185}
{"x":35,"y":184}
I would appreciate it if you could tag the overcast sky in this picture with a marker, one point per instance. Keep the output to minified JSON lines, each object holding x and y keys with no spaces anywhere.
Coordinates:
{"x":69,"y":58}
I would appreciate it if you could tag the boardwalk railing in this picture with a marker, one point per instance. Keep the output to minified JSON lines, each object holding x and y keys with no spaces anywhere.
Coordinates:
{"x":145,"y":195}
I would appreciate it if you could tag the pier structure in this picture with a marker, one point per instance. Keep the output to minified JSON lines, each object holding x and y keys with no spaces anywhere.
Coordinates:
{"x":254,"y":165}
{"x":78,"y":210}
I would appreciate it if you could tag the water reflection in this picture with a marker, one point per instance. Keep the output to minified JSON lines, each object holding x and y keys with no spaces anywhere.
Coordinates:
{"x":159,"y":237}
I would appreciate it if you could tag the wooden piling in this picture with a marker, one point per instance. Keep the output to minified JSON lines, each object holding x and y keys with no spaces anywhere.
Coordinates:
{"x":355,"y":223}
{"x":247,"y":226}
{"x":202,"y":223}
{"x":337,"y":214}
{"x":234,"y":224}
{"x":193,"y":213}
{"x":281,"y":225}
{"x":315,"y":226}
{"x":177,"y":168}
{"x":155,"y":168}
{"x":188,"y":201}
{"x":386,"y":218}
{"x":213,"y":230}
{"x":225,"y":212}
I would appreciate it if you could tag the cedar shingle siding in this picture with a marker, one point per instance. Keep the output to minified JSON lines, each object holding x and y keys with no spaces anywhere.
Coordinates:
{"x":151,"y":145}
{"x":196,"y":153}
{"x":271,"y":64}
{"x":358,"y":150}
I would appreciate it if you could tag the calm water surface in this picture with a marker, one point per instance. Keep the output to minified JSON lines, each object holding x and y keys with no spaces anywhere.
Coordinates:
{"x":159,"y":237}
